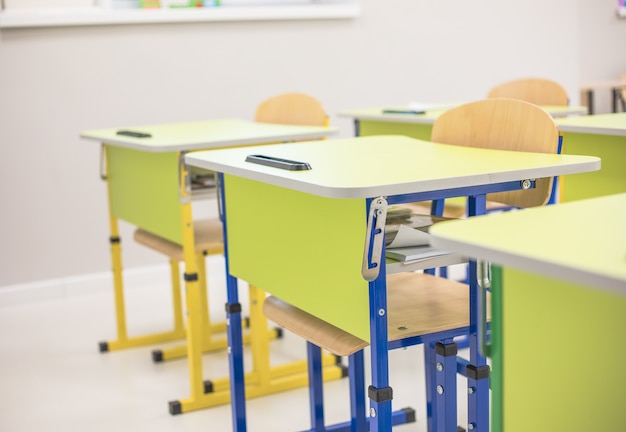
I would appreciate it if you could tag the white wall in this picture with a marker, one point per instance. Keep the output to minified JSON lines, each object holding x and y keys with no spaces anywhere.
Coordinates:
{"x":55,"y":82}
{"x":602,"y":52}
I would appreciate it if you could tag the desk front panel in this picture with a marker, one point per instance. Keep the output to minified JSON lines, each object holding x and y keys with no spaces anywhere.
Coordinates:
{"x":562,"y":356}
{"x":414,"y":130}
{"x":143,"y":190}
{"x":302,"y":248}
{"x":609,"y":180}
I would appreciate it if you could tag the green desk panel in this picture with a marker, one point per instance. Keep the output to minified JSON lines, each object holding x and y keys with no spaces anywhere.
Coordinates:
{"x":143,"y":190}
{"x":413,"y":130}
{"x":611,"y":179}
{"x":563,"y":355}
{"x":322,"y":249}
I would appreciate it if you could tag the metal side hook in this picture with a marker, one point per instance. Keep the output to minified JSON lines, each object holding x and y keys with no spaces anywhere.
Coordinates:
{"x":374,"y":239}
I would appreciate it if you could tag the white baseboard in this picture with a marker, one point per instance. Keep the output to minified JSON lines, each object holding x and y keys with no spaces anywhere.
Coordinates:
{"x":54,"y":289}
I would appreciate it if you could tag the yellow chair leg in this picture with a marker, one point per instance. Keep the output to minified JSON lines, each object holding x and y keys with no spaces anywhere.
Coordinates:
{"x":210,"y":343}
{"x":177,"y":302}
{"x":263,"y":379}
{"x":123,"y":341}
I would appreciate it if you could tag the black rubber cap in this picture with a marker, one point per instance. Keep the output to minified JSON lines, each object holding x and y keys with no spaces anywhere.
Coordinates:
{"x":208,"y":387}
{"x":411,"y":416}
{"x":175,"y":408}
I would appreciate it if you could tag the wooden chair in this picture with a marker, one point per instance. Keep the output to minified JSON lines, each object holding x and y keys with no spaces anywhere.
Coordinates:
{"x":423,"y":308}
{"x":538,"y":91}
{"x":292,"y":108}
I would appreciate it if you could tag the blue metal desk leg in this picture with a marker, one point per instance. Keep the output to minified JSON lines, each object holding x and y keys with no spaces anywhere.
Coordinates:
{"x":356,"y":375}
{"x":436,"y":209}
{"x":441,"y":395}
{"x":233,"y":330}
{"x":235,"y":356}
{"x":380,"y":393}
{"x":316,"y":390}
{"x":477,"y":370}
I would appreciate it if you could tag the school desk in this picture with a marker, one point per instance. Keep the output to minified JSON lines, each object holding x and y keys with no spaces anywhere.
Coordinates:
{"x":375,"y":122}
{"x":588,"y":90}
{"x":558,"y":312}
{"x":602,"y":135}
{"x":306,"y":244}
{"x":149,"y":186}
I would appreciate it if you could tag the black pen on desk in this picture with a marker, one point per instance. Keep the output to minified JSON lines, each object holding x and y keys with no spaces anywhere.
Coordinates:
{"x":403,"y":111}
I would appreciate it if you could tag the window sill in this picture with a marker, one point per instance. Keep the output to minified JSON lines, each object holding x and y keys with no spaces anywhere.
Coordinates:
{"x":101,"y":16}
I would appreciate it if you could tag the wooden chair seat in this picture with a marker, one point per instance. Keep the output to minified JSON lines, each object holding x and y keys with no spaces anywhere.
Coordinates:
{"x":207,"y":236}
{"x":419,"y":304}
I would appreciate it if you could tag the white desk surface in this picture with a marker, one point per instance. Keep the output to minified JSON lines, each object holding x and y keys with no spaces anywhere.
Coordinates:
{"x":583,"y":242}
{"x":429,"y":117}
{"x":206,"y":134}
{"x":601,"y":124}
{"x":388,"y":165}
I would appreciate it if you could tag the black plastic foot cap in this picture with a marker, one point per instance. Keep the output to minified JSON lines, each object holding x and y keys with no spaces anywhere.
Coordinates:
{"x":157,"y":356}
{"x":103,"y":347}
{"x":344,"y":370}
{"x":208,"y":387}
{"x":411,"y":416}
{"x":279,"y":332}
{"x":175,"y":408}
{"x":460,"y":429}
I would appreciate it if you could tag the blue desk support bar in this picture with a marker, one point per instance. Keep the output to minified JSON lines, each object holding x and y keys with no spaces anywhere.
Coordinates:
{"x":458,"y":192}
{"x":380,"y":393}
{"x":555,"y":183}
{"x":233,"y":329}
{"x":441,"y":396}
{"x":436,"y":209}
{"x":477,"y":370}
{"x":316,"y":387}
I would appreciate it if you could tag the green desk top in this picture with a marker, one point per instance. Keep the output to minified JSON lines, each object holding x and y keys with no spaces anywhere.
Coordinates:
{"x":388,"y":165}
{"x":206,"y":134}
{"x":376,"y":114}
{"x":602,"y":124}
{"x":429,"y":117}
{"x":582,"y":242}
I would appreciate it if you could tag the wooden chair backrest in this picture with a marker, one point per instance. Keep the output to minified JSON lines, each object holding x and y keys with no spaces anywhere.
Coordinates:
{"x":534,"y":90}
{"x":292,"y":108}
{"x":506,"y":124}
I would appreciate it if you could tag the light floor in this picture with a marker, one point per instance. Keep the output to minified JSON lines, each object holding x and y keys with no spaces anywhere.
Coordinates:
{"x":53,"y":378}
